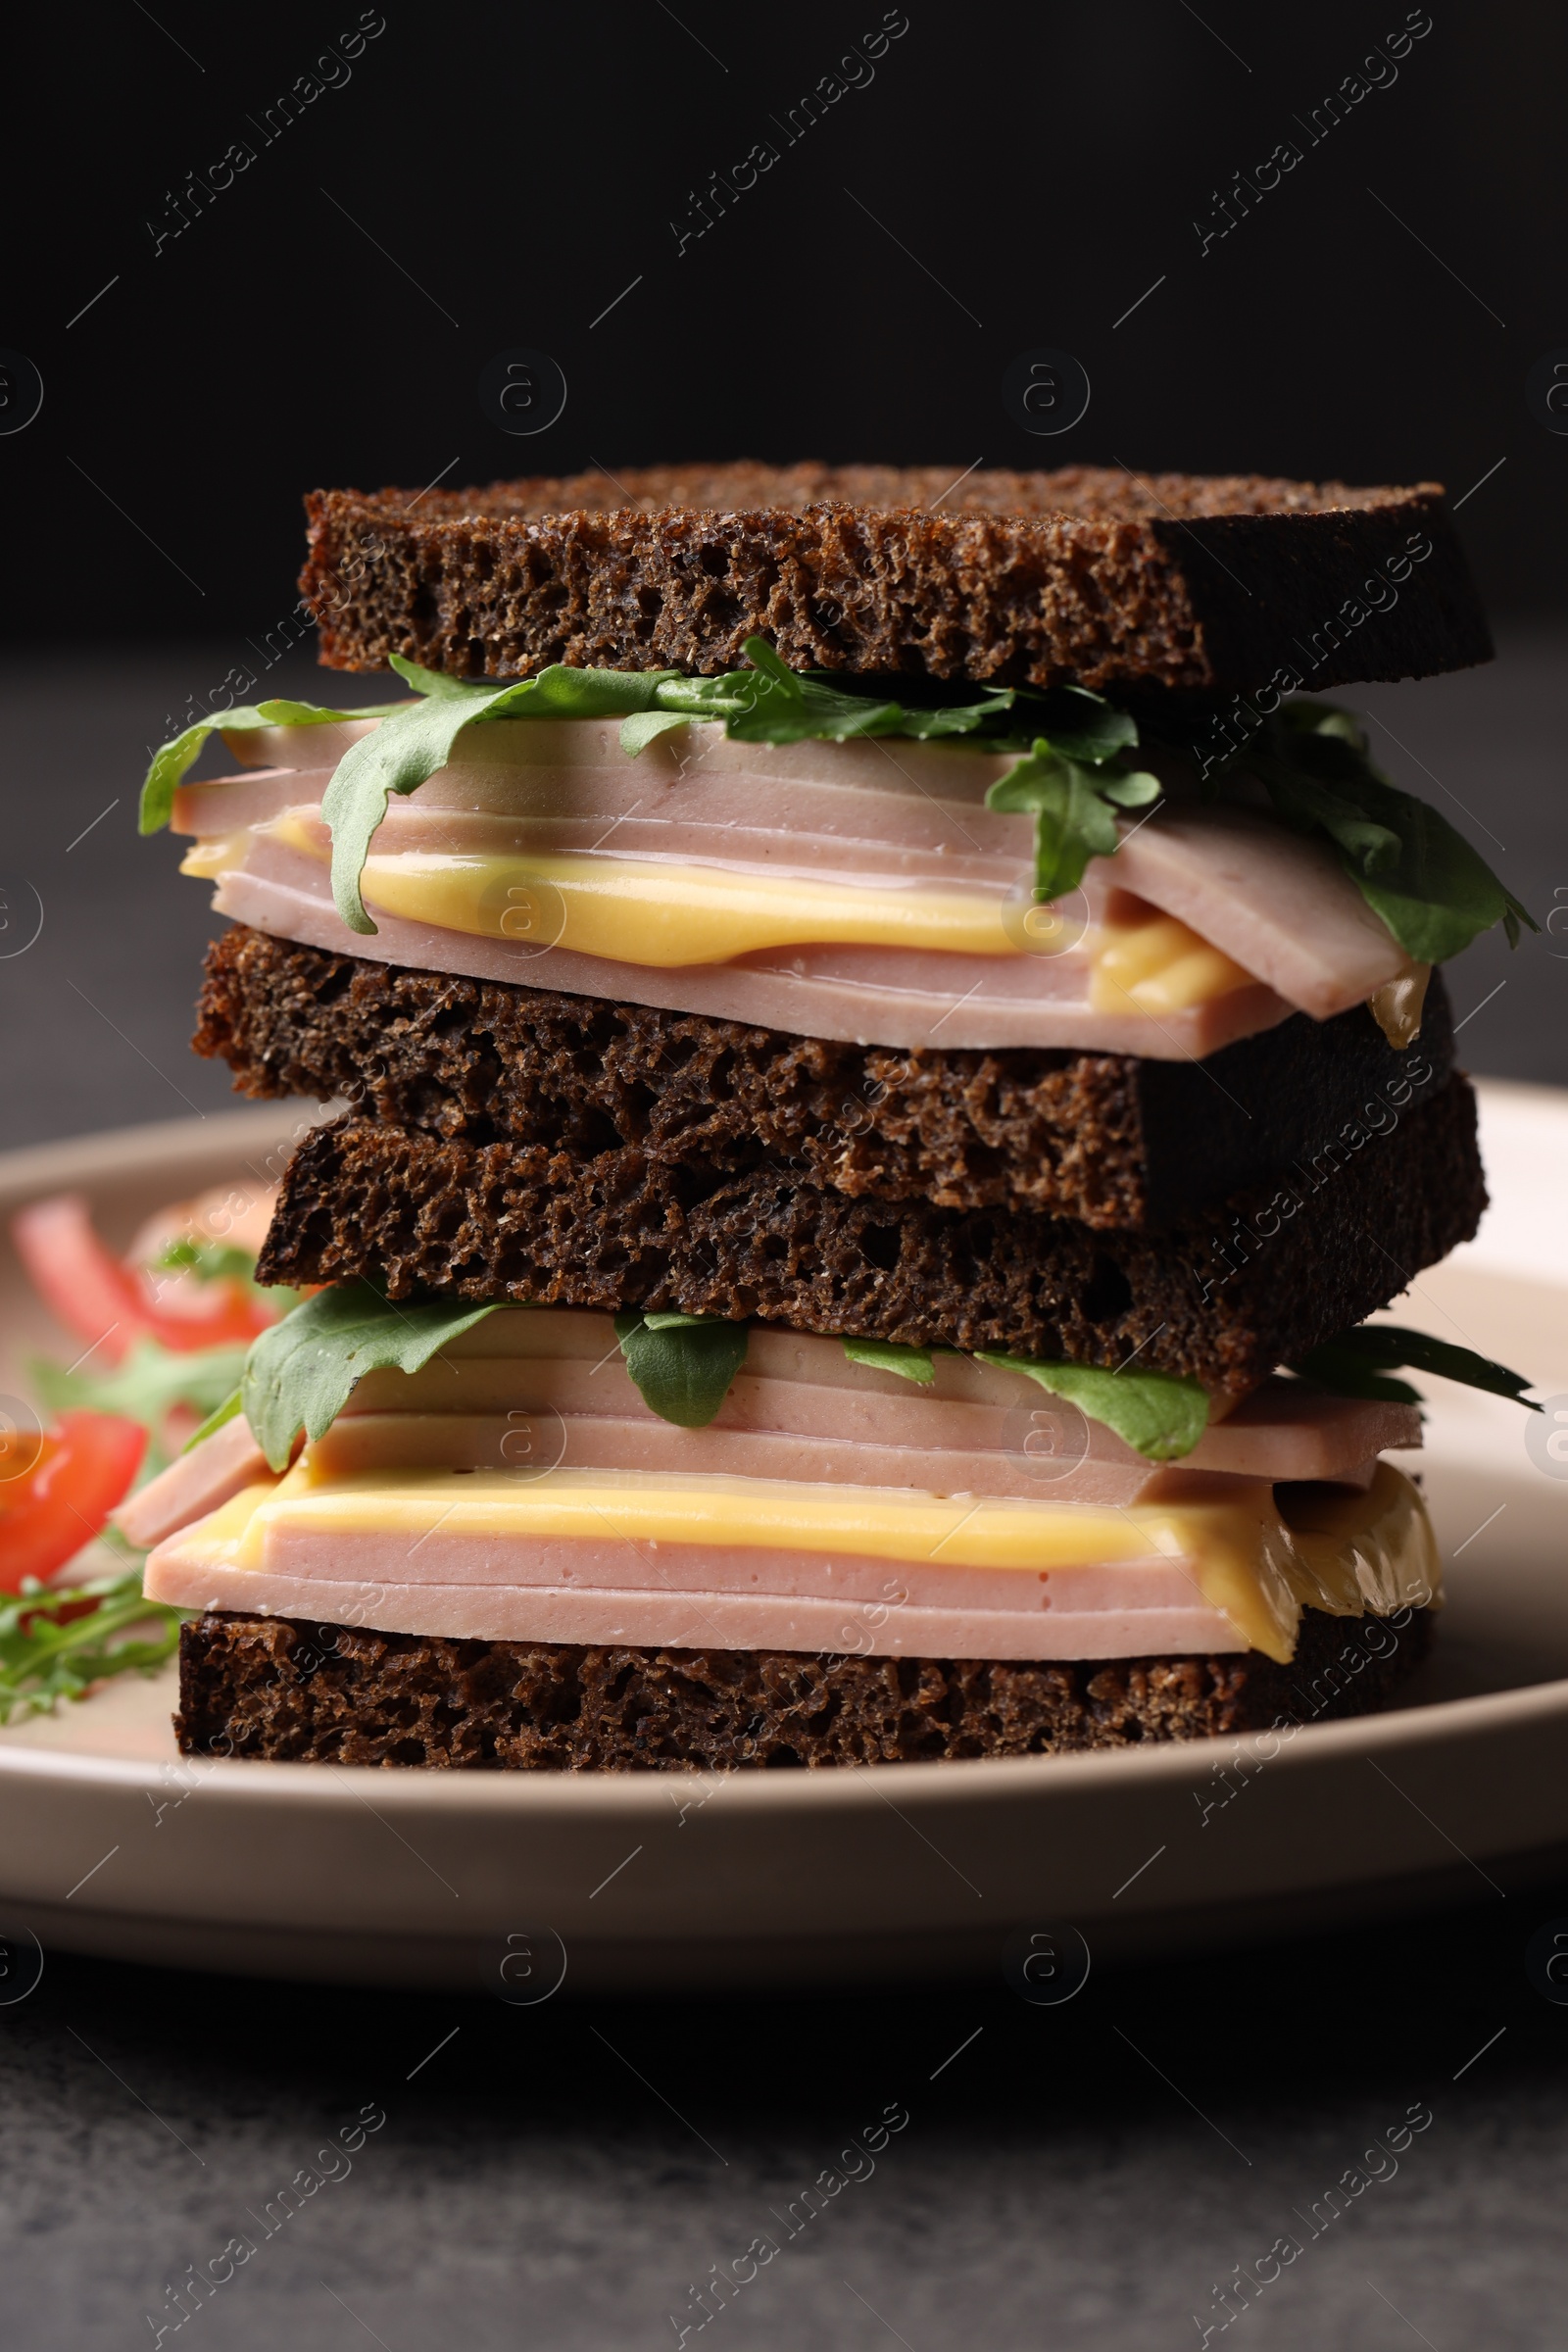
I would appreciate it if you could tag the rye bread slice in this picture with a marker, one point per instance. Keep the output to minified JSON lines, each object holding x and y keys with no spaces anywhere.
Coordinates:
{"x":292,"y":1692}
{"x":1227,"y":1293}
{"x":1105,"y":1138}
{"x":1090,"y":575}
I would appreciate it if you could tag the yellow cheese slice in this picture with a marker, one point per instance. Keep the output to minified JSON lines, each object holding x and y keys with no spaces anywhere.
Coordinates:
{"x":649,"y":912}
{"x":217,"y":853}
{"x":1161,"y":965}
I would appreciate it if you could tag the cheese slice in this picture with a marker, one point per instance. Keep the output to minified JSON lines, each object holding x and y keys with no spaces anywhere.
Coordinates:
{"x":1158,"y":963}
{"x":652,"y":913}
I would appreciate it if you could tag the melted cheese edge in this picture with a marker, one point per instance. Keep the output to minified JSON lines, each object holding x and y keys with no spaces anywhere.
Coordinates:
{"x":1159,"y":965}
{"x":1342,"y":1552}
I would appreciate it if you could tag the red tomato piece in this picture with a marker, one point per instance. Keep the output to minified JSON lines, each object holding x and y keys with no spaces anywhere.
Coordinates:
{"x":230,"y":1314}
{"x":111,"y":1305}
{"x":85,"y":1467}
{"x":76,"y":1275}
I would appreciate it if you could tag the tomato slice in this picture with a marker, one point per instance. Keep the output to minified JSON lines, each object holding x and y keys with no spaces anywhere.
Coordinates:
{"x":230,"y":1315}
{"x":86,"y":1465}
{"x":110,"y":1304}
{"x":90,"y":1290}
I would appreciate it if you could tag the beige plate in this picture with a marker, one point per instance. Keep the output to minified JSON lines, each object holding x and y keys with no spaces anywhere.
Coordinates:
{"x":109,"y":1845}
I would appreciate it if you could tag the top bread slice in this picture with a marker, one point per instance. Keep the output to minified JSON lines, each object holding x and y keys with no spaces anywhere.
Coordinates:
{"x":1089,"y":576}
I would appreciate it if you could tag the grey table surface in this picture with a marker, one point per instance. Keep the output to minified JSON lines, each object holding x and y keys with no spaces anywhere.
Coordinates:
{"x":571,"y":2176}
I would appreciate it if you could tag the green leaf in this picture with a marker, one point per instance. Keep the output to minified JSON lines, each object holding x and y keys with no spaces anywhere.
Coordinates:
{"x":954,"y":718}
{"x":172,"y":760}
{"x":683,"y":1364}
{"x":1130,"y":787}
{"x":1433,"y":890}
{"x":731,"y":696}
{"x":776,"y":706}
{"x":151,"y":1380}
{"x":43,"y":1661}
{"x":431,"y":681}
{"x":1161,"y":1415}
{"x":779,"y":704}
{"x":646,"y":726}
{"x":1073,"y":807}
{"x":929,"y":706}
{"x":208,"y":1261}
{"x":412,"y":743}
{"x":1356,"y":1364}
{"x":820,"y":716}
{"x":770,"y":703}
{"x":773,"y":666}
{"x":1070,"y":782}
{"x":563,"y":693}
{"x":403,"y":751}
{"x":886,"y":1355}
{"x":216,"y":1419}
{"x":1086,"y":727}
{"x":301,"y":1373}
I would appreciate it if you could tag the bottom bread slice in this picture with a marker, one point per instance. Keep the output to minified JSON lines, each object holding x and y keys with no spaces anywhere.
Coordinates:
{"x":292,"y":1692}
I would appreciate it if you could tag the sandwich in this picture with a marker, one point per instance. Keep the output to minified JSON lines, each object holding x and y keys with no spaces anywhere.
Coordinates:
{"x":888,"y":1042}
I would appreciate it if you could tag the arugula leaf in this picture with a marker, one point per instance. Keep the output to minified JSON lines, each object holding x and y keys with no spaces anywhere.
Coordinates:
{"x":646,"y":726}
{"x":770,"y":703}
{"x":1431,"y":890}
{"x":220,"y":1413}
{"x":1073,"y":804}
{"x":411,"y":744}
{"x":1357,"y":1361}
{"x":776,"y":706}
{"x":208,"y":1261}
{"x":956,"y":718}
{"x":1161,"y":1415}
{"x":172,"y":760}
{"x":43,"y":1660}
{"x":1094,"y":730}
{"x":301,"y":1372}
{"x":147,"y":1384}
{"x":433,"y":681}
{"x":1072,"y":782}
{"x":683,"y":1364}
{"x":886,"y":1355}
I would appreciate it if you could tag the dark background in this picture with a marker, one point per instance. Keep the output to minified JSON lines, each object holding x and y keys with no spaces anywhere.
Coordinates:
{"x":510,"y":173}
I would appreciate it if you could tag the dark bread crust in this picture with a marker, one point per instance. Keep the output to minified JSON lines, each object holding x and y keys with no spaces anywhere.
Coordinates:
{"x":1105,"y":1138}
{"x":1088,"y":575}
{"x":269,"y":1686}
{"x":1226,"y":1294}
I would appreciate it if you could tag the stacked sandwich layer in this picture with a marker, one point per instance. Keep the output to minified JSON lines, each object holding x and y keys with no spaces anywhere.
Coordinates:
{"x":857,"y":1194}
